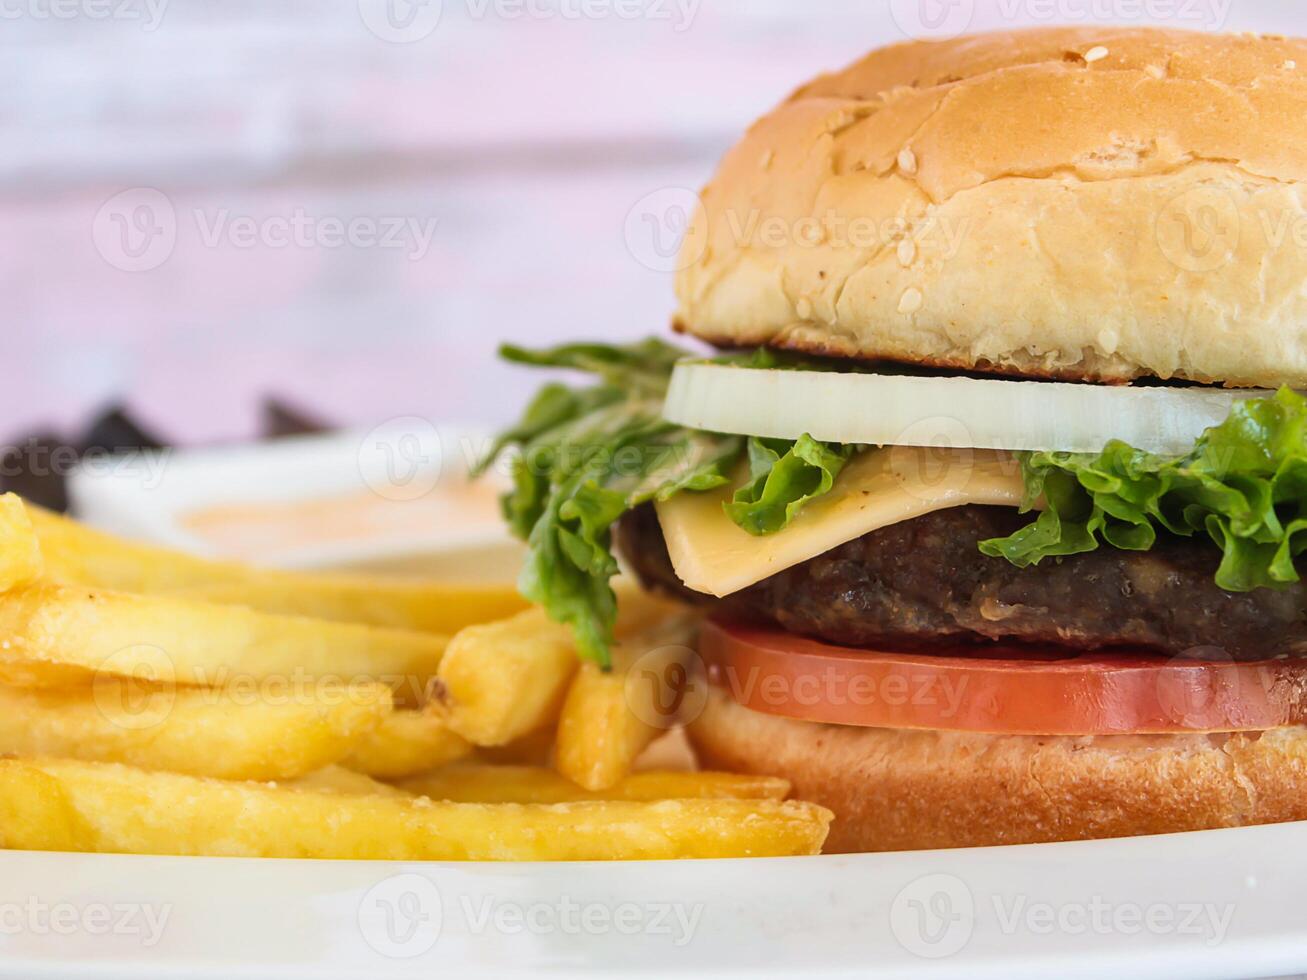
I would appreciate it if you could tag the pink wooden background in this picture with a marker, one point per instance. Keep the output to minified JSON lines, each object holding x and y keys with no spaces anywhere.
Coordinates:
{"x":527,"y":139}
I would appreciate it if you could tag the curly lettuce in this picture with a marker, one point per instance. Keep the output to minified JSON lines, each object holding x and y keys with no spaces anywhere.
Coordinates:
{"x":783,"y":477}
{"x":586,"y":456}
{"x":1243,"y":486}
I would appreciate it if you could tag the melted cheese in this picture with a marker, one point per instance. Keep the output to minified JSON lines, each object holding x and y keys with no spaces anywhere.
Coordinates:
{"x":880,"y":487}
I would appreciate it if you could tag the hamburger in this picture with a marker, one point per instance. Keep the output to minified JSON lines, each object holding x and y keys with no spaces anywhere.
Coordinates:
{"x":992,"y":478}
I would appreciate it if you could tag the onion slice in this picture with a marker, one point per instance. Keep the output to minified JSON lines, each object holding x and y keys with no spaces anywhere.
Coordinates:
{"x":900,"y":410}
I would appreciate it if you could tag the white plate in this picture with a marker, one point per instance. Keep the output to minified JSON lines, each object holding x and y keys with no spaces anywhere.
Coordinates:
{"x":1223,"y":903}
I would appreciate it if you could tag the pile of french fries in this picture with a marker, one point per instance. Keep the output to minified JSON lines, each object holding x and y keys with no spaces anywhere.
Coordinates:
{"x":158,"y":703}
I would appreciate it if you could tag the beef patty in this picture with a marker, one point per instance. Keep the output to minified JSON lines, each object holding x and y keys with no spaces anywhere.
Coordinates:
{"x":924,"y":583}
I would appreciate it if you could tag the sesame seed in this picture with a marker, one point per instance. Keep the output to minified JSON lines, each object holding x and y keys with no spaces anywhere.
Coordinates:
{"x":907,"y":160}
{"x":911,"y":300}
{"x":1290,"y":65}
{"x":907,"y":251}
{"x":1096,"y":54}
{"x":804,"y":308}
{"x":1155,"y":71}
{"x":767,"y":157}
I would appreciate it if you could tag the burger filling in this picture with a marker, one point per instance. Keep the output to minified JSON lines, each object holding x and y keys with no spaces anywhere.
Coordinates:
{"x":1160,"y":550}
{"x":924,"y":582}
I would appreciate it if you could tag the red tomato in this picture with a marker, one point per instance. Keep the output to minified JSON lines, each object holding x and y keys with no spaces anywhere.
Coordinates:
{"x":1007,"y":690}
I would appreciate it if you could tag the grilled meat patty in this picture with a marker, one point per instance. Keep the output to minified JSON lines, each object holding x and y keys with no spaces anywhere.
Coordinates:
{"x":924,"y":583}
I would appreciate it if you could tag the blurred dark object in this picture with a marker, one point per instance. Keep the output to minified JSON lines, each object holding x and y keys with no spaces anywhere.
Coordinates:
{"x":282,"y":419}
{"x":34,"y":468}
{"x":116,"y":431}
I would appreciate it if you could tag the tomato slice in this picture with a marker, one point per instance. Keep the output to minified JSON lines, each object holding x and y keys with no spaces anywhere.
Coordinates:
{"x":1007,"y":691}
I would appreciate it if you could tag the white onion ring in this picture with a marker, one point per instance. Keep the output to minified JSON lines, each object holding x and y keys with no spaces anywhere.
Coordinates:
{"x":901,"y":410}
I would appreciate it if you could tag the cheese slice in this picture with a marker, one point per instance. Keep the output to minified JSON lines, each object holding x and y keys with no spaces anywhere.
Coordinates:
{"x":879,"y":487}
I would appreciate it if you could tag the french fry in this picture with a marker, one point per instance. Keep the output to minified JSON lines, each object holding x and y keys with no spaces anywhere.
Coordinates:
{"x":598,"y":734}
{"x":338,"y":779}
{"x":104,"y":807}
{"x":500,"y":681}
{"x":428,"y":607}
{"x":189,"y":730}
{"x":20,"y":552}
{"x":608,"y":719}
{"x":407,"y":743}
{"x":38,"y":673}
{"x":34,"y":805}
{"x":530,"y":784}
{"x":79,"y":555}
{"x":184,"y":641}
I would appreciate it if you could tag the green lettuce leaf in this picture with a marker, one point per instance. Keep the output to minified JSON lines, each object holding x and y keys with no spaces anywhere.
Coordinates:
{"x":570,"y":559}
{"x":1244,"y":486}
{"x":586,"y":456}
{"x":783,"y":477}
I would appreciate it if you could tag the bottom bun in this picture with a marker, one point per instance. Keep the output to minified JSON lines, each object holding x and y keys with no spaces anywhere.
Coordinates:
{"x":894,"y":789}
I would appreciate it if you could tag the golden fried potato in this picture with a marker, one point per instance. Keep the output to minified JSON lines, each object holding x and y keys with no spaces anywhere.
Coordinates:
{"x":104,"y":807}
{"x":500,"y":681}
{"x":20,"y":552}
{"x":531,"y":784}
{"x":77,"y":554}
{"x":192,"y":730}
{"x":347,"y":782}
{"x":609,"y":718}
{"x":185,"y":641}
{"x":406,"y":743}
{"x":41,"y":673}
{"x":599,"y":735}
